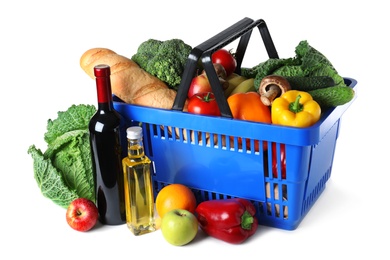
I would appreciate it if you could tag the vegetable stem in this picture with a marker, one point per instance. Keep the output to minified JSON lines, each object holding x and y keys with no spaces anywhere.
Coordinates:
{"x":295,"y":106}
{"x":246,"y":220}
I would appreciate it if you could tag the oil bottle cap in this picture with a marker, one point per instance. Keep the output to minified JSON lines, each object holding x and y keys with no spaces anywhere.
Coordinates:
{"x":134,"y":132}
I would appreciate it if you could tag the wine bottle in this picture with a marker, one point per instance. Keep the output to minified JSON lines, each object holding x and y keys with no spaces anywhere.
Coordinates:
{"x":139,"y":198}
{"x":104,"y":129}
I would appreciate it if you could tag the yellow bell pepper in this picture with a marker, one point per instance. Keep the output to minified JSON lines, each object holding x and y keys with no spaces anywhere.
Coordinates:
{"x":295,"y":108}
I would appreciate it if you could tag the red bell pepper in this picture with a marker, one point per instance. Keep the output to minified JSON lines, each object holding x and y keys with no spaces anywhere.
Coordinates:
{"x":282,"y":161}
{"x":231,"y":220}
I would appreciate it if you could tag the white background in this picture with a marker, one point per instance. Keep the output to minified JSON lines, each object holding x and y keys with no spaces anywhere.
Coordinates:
{"x":41,"y":44}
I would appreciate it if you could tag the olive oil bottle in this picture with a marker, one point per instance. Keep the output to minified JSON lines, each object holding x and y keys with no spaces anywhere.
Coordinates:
{"x":138,"y":189}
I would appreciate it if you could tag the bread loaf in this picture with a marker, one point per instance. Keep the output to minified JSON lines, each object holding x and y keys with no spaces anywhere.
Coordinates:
{"x":129,"y":82}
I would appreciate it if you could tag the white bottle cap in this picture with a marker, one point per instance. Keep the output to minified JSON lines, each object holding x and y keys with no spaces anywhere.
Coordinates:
{"x":134,"y":132}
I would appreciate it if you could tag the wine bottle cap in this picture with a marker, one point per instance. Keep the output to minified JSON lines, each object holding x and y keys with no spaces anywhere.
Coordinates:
{"x":102,"y":70}
{"x":134,"y":132}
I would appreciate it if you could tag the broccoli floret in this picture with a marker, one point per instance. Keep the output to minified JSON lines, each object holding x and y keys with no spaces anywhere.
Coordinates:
{"x":146,"y":52}
{"x":163,"y":59}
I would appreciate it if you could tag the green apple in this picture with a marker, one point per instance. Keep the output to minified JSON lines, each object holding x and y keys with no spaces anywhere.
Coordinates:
{"x":179,"y":227}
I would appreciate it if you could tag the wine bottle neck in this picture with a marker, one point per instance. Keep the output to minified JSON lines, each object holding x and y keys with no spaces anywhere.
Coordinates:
{"x":107,"y":106}
{"x":104,"y":94}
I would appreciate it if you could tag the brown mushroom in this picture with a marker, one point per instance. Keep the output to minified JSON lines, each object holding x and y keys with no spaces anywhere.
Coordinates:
{"x":271,"y":87}
{"x":221,"y":73}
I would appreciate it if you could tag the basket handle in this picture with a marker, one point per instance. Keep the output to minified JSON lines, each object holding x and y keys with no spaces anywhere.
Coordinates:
{"x":203,"y":51}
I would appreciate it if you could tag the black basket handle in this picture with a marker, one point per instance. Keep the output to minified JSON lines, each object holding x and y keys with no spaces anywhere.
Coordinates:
{"x":243,"y":29}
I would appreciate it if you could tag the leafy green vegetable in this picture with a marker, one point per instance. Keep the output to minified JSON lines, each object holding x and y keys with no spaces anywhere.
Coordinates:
{"x":268,"y":67}
{"x":64,"y":171}
{"x":307,"y":62}
{"x":163,"y":59}
{"x":50,"y":180}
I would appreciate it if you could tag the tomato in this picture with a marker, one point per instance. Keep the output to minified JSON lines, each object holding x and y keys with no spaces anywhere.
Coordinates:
{"x":226,"y":59}
{"x":204,"y":104}
{"x":199,"y":84}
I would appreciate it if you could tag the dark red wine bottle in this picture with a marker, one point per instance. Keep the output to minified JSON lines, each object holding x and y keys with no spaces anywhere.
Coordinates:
{"x":105,"y":129}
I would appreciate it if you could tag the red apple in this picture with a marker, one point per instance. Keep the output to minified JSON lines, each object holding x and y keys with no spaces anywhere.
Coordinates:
{"x":82,"y":214}
{"x":199,"y":84}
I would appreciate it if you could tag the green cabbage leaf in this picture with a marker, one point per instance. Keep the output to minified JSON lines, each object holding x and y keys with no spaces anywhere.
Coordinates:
{"x":64,"y":171}
{"x":307,"y":61}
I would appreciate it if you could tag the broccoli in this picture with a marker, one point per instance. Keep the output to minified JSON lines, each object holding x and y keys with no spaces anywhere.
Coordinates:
{"x":163,"y":59}
{"x":146,"y":51}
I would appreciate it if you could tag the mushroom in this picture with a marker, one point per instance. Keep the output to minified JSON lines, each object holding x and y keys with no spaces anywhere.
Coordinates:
{"x":221,"y":73}
{"x":271,"y":87}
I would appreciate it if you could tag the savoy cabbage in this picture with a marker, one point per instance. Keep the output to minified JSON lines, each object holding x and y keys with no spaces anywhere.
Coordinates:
{"x":307,"y":61}
{"x":64,"y":171}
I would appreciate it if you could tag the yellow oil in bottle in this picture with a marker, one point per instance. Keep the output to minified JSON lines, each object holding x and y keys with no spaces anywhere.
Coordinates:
{"x":139,"y":198}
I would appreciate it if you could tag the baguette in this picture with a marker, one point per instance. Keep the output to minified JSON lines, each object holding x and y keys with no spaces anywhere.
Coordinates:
{"x":129,"y":82}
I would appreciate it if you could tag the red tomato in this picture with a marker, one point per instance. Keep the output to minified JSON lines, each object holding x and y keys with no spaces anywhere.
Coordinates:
{"x":199,"y":84}
{"x":226,"y":59}
{"x":204,"y":104}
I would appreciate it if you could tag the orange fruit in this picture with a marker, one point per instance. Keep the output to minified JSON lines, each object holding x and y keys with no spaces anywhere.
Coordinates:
{"x":175,"y":196}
